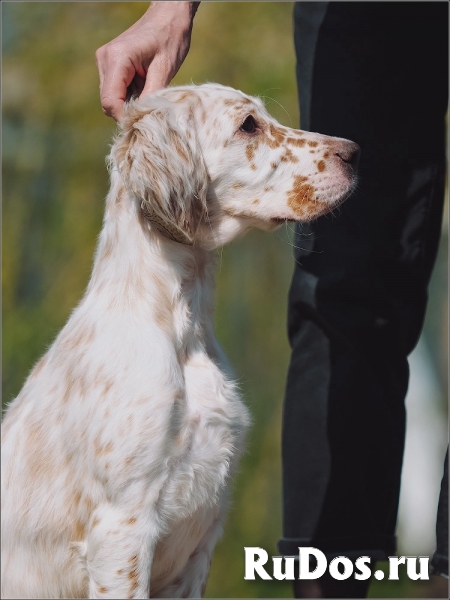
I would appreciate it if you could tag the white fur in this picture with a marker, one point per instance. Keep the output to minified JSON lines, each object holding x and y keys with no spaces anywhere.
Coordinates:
{"x":118,"y":451}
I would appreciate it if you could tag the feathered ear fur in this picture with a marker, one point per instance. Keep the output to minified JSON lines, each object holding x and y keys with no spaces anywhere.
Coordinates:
{"x":159,"y":158}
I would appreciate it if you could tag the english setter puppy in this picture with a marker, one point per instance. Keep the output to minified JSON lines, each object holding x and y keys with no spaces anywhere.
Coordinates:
{"x":118,"y":452}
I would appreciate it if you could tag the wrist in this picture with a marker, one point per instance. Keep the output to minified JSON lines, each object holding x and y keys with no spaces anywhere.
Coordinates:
{"x":180,"y":12}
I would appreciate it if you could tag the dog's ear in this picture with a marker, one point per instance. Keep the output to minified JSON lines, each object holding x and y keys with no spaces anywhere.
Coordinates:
{"x":160,"y":160}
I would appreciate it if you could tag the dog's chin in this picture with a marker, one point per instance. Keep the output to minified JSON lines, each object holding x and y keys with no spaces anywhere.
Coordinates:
{"x":271,"y":224}
{"x":276,"y":223}
{"x":324,"y":207}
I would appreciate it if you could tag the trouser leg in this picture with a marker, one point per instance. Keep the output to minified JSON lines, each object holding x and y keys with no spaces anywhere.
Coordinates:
{"x":439,"y":562}
{"x":375,"y":73}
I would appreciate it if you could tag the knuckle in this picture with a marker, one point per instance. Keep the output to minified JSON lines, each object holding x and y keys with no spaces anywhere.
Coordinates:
{"x":107,"y":106}
{"x":99,"y":53}
{"x":107,"y":52}
{"x":111,"y":49}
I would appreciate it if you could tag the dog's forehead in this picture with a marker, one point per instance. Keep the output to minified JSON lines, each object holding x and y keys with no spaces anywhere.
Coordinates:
{"x":228,"y":98}
{"x":214,"y":98}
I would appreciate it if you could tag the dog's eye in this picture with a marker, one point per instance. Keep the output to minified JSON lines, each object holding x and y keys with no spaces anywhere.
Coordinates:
{"x":249,"y":125}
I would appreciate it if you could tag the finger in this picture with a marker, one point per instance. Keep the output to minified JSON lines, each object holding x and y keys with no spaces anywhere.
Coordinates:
{"x":159,"y":76}
{"x":114,"y":90}
{"x":99,"y":62}
{"x":136,"y":86}
{"x":113,"y":108}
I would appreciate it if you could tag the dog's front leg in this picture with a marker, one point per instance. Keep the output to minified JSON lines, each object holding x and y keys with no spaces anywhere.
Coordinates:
{"x":191,"y":582}
{"x":119,"y":552}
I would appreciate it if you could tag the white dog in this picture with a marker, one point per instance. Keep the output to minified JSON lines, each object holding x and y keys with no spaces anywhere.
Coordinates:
{"x":118,"y":451}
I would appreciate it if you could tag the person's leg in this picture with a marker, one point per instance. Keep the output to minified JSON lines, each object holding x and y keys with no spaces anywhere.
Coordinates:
{"x":375,"y":73}
{"x":439,"y":562}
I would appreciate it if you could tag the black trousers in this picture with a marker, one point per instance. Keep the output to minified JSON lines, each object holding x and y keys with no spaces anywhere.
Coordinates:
{"x":375,"y":73}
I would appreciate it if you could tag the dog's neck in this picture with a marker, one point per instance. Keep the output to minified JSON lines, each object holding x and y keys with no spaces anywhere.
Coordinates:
{"x":172,"y":233}
{"x":137,"y":267}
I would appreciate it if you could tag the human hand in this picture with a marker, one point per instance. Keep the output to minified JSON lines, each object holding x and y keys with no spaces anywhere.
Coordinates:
{"x":145,"y":57}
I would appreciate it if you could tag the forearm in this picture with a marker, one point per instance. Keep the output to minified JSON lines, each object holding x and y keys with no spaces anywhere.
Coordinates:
{"x":181,"y":13}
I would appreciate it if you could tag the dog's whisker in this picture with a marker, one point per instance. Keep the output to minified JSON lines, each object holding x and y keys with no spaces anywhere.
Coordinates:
{"x":293,"y":246}
{"x":280,"y":105}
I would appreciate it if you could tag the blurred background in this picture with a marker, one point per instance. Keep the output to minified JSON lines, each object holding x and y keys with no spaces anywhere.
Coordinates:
{"x":55,"y":139}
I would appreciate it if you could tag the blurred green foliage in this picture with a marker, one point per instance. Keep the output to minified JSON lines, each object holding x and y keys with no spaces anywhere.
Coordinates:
{"x":55,"y":139}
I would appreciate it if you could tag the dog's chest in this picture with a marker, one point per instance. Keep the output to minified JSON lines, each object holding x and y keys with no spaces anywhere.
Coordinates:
{"x":207,"y":385}
{"x":209,"y":422}
{"x":213,"y":403}
{"x":211,"y":396}
{"x":211,"y":425}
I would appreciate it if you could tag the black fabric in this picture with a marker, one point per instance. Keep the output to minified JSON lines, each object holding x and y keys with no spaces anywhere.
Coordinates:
{"x":375,"y":73}
{"x":439,"y":562}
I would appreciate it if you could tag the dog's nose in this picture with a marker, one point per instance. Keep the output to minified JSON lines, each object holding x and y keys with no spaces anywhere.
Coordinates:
{"x":349,"y":153}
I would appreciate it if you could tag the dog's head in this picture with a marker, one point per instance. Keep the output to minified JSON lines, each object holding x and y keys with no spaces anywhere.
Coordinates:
{"x":208,"y":162}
